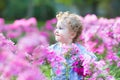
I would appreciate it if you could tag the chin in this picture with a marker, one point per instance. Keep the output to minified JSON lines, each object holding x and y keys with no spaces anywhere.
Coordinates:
{"x":58,"y":40}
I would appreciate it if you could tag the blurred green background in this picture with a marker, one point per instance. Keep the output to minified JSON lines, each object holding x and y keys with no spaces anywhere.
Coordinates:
{"x":47,"y":9}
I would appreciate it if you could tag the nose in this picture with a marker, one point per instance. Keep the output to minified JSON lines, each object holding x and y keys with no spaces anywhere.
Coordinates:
{"x":56,"y":31}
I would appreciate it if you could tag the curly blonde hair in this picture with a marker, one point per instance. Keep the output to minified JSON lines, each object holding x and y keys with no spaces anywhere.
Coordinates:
{"x":74,"y":22}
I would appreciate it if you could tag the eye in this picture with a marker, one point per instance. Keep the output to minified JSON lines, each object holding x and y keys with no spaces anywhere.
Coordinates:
{"x":60,"y":28}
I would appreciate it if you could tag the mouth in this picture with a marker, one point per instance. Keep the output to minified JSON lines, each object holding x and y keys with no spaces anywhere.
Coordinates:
{"x":57,"y":34}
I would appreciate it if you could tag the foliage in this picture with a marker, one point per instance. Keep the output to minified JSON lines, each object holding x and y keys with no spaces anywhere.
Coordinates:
{"x":16,"y":9}
{"x":21,"y":8}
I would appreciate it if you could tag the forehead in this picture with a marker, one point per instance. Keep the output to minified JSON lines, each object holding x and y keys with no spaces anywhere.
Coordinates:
{"x":62,"y":23}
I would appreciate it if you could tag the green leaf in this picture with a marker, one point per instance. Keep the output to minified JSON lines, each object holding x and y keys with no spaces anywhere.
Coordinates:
{"x":46,"y":69}
{"x":118,"y":54}
{"x":65,"y":2}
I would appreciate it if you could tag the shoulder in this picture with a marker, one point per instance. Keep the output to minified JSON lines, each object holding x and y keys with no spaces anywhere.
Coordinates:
{"x":81,"y":48}
{"x":53,"y":46}
{"x":83,"y":51}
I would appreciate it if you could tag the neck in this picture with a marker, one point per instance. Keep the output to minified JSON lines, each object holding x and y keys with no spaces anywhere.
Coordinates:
{"x":65,"y":44}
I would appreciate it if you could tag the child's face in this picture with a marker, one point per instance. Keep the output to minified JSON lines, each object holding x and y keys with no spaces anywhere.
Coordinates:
{"x":62,"y":32}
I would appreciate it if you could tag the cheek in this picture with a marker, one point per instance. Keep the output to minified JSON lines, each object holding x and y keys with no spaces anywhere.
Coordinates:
{"x":67,"y":35}
{"x":54,"y":32}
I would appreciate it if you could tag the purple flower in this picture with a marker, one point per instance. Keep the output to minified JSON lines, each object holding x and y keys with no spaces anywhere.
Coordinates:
{"x":79,"y":70}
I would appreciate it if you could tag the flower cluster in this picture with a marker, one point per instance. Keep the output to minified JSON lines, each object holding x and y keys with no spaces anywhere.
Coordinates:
{"x":19,"y":43}
{"x":101,"y":36}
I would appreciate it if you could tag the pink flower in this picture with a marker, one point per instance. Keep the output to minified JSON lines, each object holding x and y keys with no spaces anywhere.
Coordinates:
{"x":31,"y":22}
{"x":112,"y":56}
{"x":5,"y":55}
{"x":78,"y":68}
{"x":79,"y":71}
{"x":100,"y":64}
{"x":6,"y":43}
{"x":110,"y":78}
{"x":118,"y":64}
{"x":13,"y":31}
{"x":2,"y":22}
{"x":58,"y":71}
{"x":31,"y":74}
{"x":30,"y":42}
{"x":90,"y":18}
{"x":20,"y":23}
{"x":82,"y":65}
{"x":100,"y":49}
{"x":49,"y":24}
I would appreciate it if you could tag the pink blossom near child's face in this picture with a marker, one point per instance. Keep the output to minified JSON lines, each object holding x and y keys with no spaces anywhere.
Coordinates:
{"x":62,"y":32}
